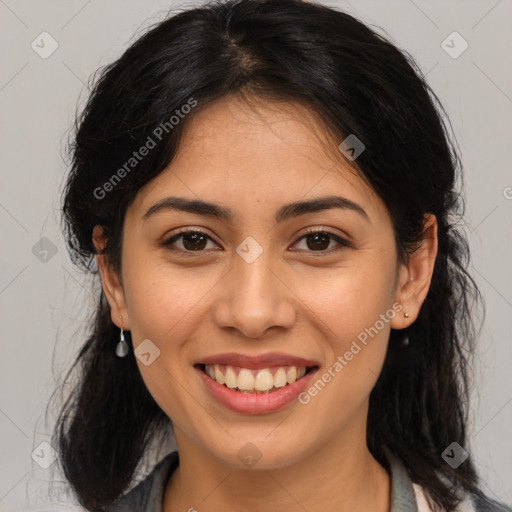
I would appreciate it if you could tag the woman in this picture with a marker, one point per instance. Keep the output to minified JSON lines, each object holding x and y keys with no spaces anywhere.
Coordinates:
{"x":268,"y":191}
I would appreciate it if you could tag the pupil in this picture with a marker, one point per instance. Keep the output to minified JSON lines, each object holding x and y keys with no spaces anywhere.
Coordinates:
{"x":197,"y":241}
{"x":321,"y":241}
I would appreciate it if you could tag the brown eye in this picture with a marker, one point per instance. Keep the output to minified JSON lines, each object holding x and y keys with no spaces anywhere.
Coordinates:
{"x":318,"y":241}
{"x":194,"y":241}
{"x":321,"y":241}
{"x":189,"y":241}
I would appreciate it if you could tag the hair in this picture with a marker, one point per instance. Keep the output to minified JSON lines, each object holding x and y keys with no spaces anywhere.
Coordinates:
{"x":359,"y":83}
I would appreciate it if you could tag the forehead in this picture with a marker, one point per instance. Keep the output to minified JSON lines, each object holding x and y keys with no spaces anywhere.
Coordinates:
{"x":235,"y":150}
{"x":254,"y":131}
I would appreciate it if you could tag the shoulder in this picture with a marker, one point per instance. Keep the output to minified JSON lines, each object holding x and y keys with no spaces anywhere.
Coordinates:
{"x":488,"y":505}
{"x":148,"y":494}
{"x":408,"y":496}
{"x":468,"y":504}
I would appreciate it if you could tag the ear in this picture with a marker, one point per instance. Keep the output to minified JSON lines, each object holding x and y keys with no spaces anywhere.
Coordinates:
{"x":110,"y":282}
{"x":414,"y":277}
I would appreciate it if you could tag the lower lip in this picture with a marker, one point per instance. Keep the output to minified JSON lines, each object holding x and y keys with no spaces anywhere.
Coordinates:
{"x":256,"y":403}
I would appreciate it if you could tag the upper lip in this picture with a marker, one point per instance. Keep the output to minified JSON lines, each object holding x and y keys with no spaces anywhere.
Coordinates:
{"x":256,"y":362}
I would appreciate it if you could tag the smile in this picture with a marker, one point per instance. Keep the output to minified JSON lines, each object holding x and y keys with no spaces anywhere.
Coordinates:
{"x":258,"y":390}
{"x":258,"y":381}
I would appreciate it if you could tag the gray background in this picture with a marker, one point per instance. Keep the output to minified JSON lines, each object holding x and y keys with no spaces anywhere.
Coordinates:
{"x":43,"y":301}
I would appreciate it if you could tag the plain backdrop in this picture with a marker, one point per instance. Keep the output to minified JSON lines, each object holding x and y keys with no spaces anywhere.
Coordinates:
{"x":44,"y":302}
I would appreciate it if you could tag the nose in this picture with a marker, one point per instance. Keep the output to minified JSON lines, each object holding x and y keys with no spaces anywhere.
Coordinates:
{"x":254,"y":299}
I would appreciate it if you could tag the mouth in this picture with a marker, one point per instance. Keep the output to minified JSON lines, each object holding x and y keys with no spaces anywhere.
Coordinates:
{"x":255,"y":381}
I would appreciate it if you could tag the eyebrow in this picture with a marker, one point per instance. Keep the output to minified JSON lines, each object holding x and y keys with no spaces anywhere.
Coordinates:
{"x":286,"y":212}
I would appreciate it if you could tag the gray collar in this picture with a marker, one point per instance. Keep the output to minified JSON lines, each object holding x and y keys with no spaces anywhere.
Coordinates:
{"x":403,"y":497}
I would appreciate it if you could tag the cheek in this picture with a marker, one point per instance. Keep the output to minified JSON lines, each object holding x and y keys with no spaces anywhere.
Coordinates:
{"x":163,"y":301}
{"x":349,"y":299}
{"x":166,"y":306}
{"x":354,"y":309}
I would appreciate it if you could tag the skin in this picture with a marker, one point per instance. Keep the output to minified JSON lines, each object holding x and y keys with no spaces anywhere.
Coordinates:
{"x":253,"y":158}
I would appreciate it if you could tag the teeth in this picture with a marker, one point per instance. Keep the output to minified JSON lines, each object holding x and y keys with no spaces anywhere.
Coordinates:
{"x":218,"y":375}
{"x":245,"y":380}
{"x":291,"y":375}
{"x":261,"y":380}
{"x":231,"y":378}
{"x":280,"y":378}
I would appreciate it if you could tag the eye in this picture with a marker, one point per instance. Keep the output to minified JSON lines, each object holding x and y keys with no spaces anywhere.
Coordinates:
{"x":189,"y":240}
{"x":316,"y":240}
{"x":193,"y":240}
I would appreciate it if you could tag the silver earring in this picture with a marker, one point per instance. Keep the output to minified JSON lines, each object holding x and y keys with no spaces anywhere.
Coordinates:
{"x":122,"y":347}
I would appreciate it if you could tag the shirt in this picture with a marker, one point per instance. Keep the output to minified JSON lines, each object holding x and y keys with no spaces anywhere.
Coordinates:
{"x":406,"y":496}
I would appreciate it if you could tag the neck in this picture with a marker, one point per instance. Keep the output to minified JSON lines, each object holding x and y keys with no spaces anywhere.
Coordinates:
{"x":339,"y":476}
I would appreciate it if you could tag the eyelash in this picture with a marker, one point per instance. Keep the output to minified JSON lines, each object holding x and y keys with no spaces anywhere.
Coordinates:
{"x":343,"y":244}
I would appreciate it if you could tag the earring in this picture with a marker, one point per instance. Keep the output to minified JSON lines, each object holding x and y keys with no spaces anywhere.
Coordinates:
{"x":406,"y":315}
{"x":122,"y":347}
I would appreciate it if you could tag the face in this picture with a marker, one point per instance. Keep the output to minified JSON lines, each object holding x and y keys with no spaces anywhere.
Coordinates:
{"x":261,"y":285}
